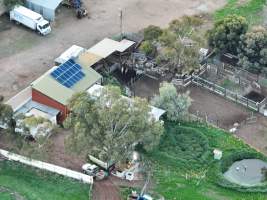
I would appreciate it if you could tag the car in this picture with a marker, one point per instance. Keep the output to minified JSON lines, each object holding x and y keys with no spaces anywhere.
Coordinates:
{"x":90,"y":169}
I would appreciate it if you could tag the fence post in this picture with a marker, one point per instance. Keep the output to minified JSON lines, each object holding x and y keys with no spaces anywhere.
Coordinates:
{"x":224,"y":92}
{"x":236,"y":97}
{"x":247,"y":102}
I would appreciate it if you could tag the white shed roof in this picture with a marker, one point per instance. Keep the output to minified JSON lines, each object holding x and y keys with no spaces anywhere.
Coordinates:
{"x":51,"y":4}
{"x":155,"y":112}
{"x":107,"y":46}
{"x":73,"y":52}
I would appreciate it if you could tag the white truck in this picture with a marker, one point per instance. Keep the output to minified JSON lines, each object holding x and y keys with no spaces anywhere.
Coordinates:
{"x":31,"y":19}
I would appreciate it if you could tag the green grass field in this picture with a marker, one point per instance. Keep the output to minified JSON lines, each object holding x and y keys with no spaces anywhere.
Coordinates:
{"x":32,"y":184}
{"x":183,"y":165}
{"x":251,"y":9}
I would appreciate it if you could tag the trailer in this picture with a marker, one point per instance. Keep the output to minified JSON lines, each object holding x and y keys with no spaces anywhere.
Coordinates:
{"x":30,"y":19}
{"x":108,"y":166}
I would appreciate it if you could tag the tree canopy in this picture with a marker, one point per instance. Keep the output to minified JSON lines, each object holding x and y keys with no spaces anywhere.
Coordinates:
{"x":226,"y":33}
{"x":253,"y":50}
{"x":175,"y":104}
{"x":152,"y":33}
{"x":6,"y":116}
{"x":177,"y":46}
{"x":109,"y":126}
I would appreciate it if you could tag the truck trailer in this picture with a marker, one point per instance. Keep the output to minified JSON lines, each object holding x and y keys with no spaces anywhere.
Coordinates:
{"x":31,"y":19}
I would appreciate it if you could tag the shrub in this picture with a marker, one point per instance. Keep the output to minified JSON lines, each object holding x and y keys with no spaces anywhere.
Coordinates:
{"x":225,"y":36}
{"x":152,"y":33}
{"x":184,"y":145}
{"x":148,"y":48}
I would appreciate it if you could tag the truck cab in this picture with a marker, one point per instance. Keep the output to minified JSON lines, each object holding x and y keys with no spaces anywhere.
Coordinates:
{"x":90,"y":169}
{"x":43,"y":27}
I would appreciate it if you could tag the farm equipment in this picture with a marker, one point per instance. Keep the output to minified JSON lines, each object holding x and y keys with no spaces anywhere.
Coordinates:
{"x":94,"y":171}
{"x":80,"y":9}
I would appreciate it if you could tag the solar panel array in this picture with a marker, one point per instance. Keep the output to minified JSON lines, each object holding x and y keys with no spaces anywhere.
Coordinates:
{"x":68,"y":73}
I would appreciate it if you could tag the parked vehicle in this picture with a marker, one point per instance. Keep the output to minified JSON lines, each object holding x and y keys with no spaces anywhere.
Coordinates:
{"x":90,"y":169}
{"x":31,"y":19}
{"x":94,"y":171}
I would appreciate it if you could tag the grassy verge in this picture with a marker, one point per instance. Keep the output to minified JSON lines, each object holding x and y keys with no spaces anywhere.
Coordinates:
{"x":34,"y":184}
{"x":183,"y":164}
{"x":251,"y":9}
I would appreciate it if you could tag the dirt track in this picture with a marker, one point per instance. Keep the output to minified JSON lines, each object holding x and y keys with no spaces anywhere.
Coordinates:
{"x":25,"y":55}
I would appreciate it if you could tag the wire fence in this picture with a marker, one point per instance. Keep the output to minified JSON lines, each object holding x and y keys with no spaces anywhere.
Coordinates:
{"x":255,"y":106}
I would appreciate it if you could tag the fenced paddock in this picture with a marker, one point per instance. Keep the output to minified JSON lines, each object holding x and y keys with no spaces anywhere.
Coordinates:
{"x":235,"y":97}
{"x":48,"y":167}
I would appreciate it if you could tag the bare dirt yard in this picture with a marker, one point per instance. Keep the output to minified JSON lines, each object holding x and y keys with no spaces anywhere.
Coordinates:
{"x":215,"y":109}
{"x":255,"y":133}
{"x":25,"y":55}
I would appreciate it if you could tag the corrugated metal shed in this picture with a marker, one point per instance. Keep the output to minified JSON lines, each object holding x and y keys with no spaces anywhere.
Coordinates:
{"x":47,"y":8}
{"x":155,"y":113}
{"x":50,"y":87}
{"x":88,"y":59}
{"x":107,"y":46}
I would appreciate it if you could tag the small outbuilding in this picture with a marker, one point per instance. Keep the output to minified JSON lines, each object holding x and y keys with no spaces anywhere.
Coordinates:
{"x":217,"y":154}
{"x":47,"y":8}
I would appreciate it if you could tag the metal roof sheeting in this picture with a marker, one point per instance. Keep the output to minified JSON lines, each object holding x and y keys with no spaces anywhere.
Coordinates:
{"x":88,"y":59}
{"x":51,"y":4}
{"x":71,"y":53}
{"x":107,"y":46}
{"x":50,"y":87}
{"x":155,"y":112}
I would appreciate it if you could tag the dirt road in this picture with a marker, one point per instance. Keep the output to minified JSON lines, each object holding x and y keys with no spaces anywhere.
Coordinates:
{"x":25,"y":55}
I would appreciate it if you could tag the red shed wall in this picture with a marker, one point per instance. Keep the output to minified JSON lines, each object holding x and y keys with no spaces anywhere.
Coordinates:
{"x":43,"y":99}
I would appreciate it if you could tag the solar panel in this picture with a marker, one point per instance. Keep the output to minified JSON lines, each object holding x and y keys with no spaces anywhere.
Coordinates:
{"x":68,"y":73}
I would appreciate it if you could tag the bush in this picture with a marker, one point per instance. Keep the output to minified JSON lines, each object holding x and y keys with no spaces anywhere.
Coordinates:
{"x":183,"y":146}
{"x":226,"y":33}
{"x":152,"y":33}
{"x":148,"y":48}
